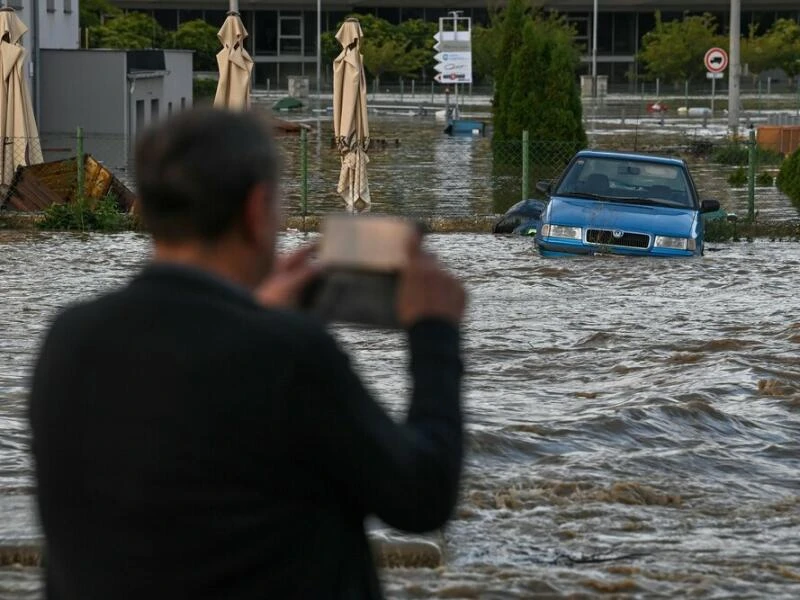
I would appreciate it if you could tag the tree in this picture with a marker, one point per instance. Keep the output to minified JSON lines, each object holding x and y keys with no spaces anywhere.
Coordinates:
{"x":543,"y":97}
{"x":782,"y":41}
{"x":201,"y":37}
{"x":510,"y":26}
{"x":131,"y":31}
{"x":485,"y":49}
{"x":674,"y":51}
{"x":401,"y":50}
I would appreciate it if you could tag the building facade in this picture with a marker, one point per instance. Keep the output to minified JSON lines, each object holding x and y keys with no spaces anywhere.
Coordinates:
{"x":283,"y":33}
{"x":52,"y":24}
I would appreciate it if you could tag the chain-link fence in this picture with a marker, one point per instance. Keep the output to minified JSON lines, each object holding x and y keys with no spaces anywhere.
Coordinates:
{"x":420,"y":172}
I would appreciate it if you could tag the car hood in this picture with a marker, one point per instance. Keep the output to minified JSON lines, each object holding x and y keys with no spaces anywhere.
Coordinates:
{"x":658,"y":220}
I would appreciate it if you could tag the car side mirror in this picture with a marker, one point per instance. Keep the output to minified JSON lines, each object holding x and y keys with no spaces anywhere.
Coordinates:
{"x":707,"y":206}
{"x":544,"y":186}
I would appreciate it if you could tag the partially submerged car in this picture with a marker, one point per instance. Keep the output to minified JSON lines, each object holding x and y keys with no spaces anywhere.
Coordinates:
{"x":619,"y":203}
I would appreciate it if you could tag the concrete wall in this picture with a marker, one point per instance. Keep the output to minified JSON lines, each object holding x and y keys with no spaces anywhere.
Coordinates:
{"x":58,"y":28}
{"x":85,"y":88}
{"x":178,"y":84}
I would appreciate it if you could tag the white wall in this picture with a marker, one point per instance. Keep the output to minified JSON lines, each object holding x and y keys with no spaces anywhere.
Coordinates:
{"x":178,"y":84}
{"x":58,"y":28}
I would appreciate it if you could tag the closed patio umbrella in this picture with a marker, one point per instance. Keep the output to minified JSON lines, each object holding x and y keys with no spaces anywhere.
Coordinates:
{"x":235,"y":65}
{"x":350,"y":117}
{"x":18,"y":131}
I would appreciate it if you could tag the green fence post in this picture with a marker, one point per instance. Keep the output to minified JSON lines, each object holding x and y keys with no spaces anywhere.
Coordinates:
{"x":304,"y":173}
{"x":79,"y":161}
{"x":751,"y":177}
{"x":525,"y":165}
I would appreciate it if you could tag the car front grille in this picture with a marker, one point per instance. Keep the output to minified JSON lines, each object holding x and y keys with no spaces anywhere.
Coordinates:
{"x":607,"y":238}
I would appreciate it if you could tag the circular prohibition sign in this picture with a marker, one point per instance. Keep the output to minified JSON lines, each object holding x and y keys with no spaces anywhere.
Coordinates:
{"x":716,"y":60}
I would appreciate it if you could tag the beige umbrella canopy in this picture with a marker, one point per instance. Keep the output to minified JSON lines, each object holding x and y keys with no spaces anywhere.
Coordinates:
{"x":350,"y":117}
{"x":235,"y":65}
{"x":18,"y":131}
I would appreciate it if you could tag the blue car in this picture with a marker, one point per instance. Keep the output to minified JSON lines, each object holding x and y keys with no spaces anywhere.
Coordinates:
{"x":633,"y":204}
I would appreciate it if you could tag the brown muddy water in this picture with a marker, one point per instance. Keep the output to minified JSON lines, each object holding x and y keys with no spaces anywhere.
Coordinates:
{"x":634,"y":424}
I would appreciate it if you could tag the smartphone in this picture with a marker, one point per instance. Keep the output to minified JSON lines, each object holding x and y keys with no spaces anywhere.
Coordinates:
{"x":361,"y":257}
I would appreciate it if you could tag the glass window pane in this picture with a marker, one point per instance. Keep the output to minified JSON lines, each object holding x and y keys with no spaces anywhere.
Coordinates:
{"x":266,"y":32}
{"x":291,"y":46}
{"x":290,"y":26}
{"x":189,"y":15}
{"x":310,"y":23}
{"x":624,"y":33}
{"x":168,"y":19}
{"x":215,"y":17}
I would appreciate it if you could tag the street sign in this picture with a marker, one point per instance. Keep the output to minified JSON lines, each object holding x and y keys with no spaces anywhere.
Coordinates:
{"x":454,"y":66}
{"x":454,"y":50}
{"x":716,"y":60}
{"x":711,"y":75}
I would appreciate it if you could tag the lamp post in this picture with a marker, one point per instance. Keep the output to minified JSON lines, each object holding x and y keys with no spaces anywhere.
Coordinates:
{"x":319,"y":51}
{"x":735,"y":67}
{"x":233,"y":6}
{"x":594,"y":50}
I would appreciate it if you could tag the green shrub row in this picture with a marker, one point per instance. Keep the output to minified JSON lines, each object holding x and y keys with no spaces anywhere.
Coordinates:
{"x":788,"y":180}
{"x":80,"y":215}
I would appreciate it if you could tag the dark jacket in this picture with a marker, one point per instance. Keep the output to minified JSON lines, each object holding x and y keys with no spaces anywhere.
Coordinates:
{"x":191,"y":444}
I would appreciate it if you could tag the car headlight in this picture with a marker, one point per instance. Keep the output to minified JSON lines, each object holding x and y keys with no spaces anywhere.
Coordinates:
{"x":561,"y":231}
{"x":674,"y":243}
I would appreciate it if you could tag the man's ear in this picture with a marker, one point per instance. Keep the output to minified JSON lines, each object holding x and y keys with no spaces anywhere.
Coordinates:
{"x":258,"y":213}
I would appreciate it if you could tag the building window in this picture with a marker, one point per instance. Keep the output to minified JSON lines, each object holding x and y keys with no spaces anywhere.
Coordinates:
{"x":266,"y":32}
{"x":68,"y":6}
{"x":310,"y":21}
{"x":153,"y":109}
{"x":51,"y":5}
{"x":290,"y":35}
{"x":183,"y":103}
{"x":169,"y":109}
{"x":139,"y":116}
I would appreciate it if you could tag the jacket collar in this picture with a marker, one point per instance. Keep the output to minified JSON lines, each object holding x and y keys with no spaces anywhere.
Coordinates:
{"x":195,"y":279}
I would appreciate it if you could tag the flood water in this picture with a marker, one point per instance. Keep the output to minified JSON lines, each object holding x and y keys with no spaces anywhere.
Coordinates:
{"x":634,"y":424}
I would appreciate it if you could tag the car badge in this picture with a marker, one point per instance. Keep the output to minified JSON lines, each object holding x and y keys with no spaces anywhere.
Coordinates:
{"x":617,"y":234}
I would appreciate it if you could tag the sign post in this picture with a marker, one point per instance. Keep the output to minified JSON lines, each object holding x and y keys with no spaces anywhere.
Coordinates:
{"x":716,"y":61}
{"x":454,"y":52}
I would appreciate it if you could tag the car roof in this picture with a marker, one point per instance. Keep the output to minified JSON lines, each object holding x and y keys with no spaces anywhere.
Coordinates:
{"x":664,"y":160}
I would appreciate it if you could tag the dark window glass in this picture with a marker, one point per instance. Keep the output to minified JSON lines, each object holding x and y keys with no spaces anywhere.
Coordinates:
{"x":624,"y":33}
{"x":290,"y":46}
{"x":580,"y":25}
{"x":433,"y":14}
{"x":310,"y":41}
{"x":266,"y":32}
{"x":185,"y":16}
{"x":168,"y":19}
{"x":764,"y":20}
{"x":647,"y":22}
{"x":215,"y":17}
{"x":291,"y":13}
{"x":390,"y":14}
{"x":266,"y":75}
{"x":413,"y":13}
{"x":604,"y":33}
{"x":335,"y":18}
{"x":667,"y":16}
{"x":290,"y":26}
{"x":480,"y":16}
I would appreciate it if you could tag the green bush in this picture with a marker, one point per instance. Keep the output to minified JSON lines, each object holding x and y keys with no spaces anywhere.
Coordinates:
{"x":721,"y":230}
{"x":765,"y":179}
{"x":81,"y":216}
{"x":738,"y":178}
{"x":788,"y":180}
{"x":535,"y":84}
{"x":738,"y":154}
{"x":203,"y":87}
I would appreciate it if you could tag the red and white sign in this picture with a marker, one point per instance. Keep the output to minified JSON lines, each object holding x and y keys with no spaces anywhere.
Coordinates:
{"x":716,"y":60}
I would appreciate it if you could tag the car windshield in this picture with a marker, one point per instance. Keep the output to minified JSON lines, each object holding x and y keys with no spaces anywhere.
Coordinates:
{"x":627,"y":180}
